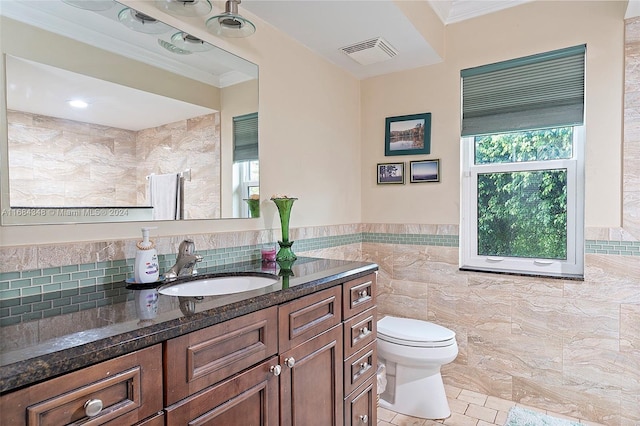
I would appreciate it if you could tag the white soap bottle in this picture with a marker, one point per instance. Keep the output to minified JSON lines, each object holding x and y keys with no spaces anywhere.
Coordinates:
{"x":146,"y":269}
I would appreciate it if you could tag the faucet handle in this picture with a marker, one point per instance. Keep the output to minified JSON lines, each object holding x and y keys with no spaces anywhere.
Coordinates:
{"x":186,"y":247}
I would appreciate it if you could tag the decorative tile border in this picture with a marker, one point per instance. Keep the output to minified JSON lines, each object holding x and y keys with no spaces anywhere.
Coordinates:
{"x":620,"y":248}
{"x":42,"y":293}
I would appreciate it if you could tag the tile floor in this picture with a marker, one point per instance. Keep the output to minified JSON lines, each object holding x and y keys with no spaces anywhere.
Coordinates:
{"x":467,"y":409}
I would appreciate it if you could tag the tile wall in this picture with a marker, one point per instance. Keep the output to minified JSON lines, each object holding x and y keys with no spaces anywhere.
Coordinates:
{"x":56,"y":162}
{"x":572,"y":347}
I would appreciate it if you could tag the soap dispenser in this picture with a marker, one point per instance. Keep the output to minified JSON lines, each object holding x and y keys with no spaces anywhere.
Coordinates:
{"x":146,"y":269}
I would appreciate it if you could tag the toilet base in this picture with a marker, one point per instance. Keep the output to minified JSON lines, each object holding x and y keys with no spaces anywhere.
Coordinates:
{"x":418,"y":396}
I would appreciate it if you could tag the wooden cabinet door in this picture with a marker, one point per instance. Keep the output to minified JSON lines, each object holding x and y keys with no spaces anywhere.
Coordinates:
{"x":311,"y":391}
{"x":247,"y":399}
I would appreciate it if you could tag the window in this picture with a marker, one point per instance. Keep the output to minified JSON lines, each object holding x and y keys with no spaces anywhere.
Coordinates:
{"x":523,"y":167}
{"x":246,"y":167}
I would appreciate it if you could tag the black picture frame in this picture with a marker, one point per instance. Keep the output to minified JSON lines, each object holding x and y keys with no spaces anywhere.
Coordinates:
{"x":408,"y":134}
{"x":390,"y":173}
{"x":424,"y":171}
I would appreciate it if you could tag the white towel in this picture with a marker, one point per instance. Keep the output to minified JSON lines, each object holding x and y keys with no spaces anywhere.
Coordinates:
{"x":164,"y":195}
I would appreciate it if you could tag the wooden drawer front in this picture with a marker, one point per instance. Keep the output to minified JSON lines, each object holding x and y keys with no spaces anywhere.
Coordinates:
{"x":359,"y":331}
{"x":128,"y":387}
{"x":199,"y":359}
{"x":309,"y":316}
{"x":157,"y":420}
{"x":360,"y":367}
{"x":249,"y":398}
{"x":361,"y":407}
{"x":358,"y":295}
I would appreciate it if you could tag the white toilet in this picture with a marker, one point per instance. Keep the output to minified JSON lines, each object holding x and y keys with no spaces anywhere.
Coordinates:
{"x":413,"y":352}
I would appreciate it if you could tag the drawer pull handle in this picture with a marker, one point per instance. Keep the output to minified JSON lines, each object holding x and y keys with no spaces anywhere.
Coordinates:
{"x":364,"y":418}
{"x":275,"y":369}
{"x":363,"y":366}
{"x":92,"y":407}
{"x":290,"y":362}
{"x":363,"y":293}
{"x":364,"y":331}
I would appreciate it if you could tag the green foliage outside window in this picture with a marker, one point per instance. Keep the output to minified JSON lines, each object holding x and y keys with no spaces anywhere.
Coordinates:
{"x":523,"y":213}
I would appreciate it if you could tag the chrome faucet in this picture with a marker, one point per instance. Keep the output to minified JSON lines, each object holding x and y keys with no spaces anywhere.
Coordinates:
{"x":185,"y":261}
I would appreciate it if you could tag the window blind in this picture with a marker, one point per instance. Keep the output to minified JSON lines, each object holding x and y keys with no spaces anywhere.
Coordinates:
{"x":539,"y":91}
{"x":245,"y":137}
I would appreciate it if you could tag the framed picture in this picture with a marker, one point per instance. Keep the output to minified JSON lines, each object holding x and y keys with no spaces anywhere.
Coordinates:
{"x":408,"y":135}
{"x":390,"y":173}
{"x":425,"y":171}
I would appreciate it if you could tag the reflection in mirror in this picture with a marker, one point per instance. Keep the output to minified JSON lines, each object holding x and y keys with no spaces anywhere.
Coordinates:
{"x":160,"y":135}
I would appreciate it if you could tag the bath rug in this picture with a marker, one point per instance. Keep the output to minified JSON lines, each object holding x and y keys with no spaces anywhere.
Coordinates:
{"x":522,"y":417}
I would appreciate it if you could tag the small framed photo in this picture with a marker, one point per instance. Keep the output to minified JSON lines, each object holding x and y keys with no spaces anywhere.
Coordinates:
{"x":390,"y":173}
{"x":425,"y":171}
{"x":408,"y":135}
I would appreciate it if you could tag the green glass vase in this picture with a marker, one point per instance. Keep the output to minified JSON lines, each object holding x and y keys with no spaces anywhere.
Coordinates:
{"x":284,"y":208}
{"x":254,"y":207}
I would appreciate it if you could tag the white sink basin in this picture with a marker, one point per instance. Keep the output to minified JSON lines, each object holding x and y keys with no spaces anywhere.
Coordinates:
{"x":217,"y":286}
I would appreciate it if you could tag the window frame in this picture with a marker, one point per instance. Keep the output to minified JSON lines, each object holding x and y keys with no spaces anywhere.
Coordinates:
{"x":573,"y":266}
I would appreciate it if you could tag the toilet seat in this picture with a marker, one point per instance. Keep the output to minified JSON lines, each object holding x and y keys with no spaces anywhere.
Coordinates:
{"x":412,"y":332}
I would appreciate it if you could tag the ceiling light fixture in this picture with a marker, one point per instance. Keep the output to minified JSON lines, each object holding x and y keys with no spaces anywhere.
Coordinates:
{"x":142,"y":23}
{"x":173,"y":48}
{"x":230,"y":23}
{"x":188,"y":42}
{"x":185,"y":7}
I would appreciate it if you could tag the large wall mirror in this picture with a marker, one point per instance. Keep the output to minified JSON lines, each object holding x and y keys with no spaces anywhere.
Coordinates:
{"x":113,"y":116}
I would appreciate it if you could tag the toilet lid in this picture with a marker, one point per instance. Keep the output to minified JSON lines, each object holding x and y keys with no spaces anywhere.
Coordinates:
{"x":412,"y":332}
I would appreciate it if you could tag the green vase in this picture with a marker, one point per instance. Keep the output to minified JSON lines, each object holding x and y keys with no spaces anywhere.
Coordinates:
{"x":254,"y":207}
{"x":284,"y":208}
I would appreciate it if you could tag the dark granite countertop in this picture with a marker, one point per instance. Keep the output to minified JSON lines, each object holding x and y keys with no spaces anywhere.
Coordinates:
{"x":124,"y":332}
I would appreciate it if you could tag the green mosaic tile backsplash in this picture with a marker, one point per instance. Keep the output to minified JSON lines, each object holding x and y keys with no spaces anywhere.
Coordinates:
{"x":41,"y":293}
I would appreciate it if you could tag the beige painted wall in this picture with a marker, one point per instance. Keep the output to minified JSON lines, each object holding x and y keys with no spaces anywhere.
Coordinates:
{"x":523,"y":30}
{"x":309,"y":142}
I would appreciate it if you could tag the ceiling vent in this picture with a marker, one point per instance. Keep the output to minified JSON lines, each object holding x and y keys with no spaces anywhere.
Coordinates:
{"x":370,"y":51}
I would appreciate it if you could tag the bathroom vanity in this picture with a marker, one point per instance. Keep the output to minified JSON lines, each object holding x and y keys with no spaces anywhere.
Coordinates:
{"x":301,"y":352}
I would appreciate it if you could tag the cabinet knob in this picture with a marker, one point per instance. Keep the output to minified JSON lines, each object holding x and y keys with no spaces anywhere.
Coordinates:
{"x":364,"y":418}
{"x":364,"y":366}
{"x":364,"y":331}
{"x":275,"y":369}
{"x":363,"y":293}
{"x":92,"y":407}
{"x":290,"y":362}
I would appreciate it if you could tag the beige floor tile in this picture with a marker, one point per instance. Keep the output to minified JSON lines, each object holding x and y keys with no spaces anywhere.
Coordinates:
{"x":403,"y":420}
{"x":452,"y":391}
{"x":483,"y":423}
{"x":501,"y":417}
{"x":499,"y":403}
{"x":383,"y":423}
{"x":385,"y":415}
{"x":481,"y":413}
{"x":458,"y":406}
{"x":460,"y":420}
{"x":472,"y":397}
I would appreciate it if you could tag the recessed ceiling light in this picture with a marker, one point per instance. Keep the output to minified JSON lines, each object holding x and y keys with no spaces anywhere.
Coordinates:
{"x":78,"y":103}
